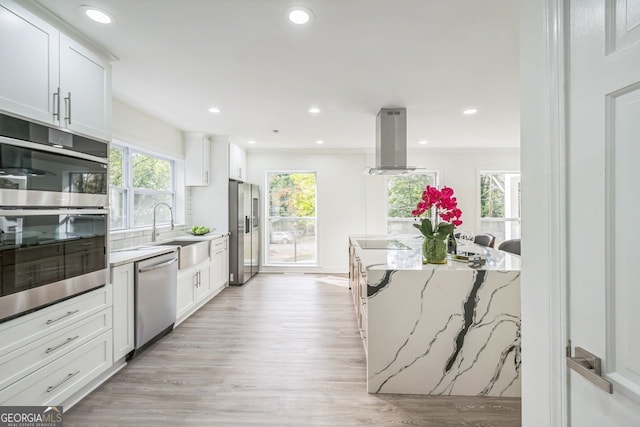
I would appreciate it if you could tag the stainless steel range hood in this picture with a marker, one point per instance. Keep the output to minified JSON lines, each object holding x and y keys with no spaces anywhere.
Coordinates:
{"x":391,"y":143}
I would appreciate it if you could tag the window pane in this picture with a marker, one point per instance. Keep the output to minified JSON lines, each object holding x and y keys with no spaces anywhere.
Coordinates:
{"x":116,"y":166}
{"x":492,"y":195}
{"x":500,"y":205}
{"x":150,"y":172}
{"x":403,"y":194}
{"x":292,"y":218}
{"x":118,"y":209}
{"x":143,"y":205}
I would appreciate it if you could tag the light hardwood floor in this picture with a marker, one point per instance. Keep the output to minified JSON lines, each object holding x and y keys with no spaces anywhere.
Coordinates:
{"x":279,"y":351}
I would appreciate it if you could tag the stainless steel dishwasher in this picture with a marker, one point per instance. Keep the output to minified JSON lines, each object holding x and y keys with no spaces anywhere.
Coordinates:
{"x":155,"y":298}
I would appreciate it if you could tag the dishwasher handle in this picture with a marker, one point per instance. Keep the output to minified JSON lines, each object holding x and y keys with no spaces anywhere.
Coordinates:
{"x":157,"y":266}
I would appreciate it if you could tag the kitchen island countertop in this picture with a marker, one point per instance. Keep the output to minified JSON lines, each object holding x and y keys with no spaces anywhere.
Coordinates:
{"x":436,"y":329}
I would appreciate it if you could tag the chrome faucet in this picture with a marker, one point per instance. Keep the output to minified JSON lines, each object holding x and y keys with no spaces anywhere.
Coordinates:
{"x":155,"y":232}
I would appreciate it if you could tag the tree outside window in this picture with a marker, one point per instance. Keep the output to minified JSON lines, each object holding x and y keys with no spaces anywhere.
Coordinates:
{"x":291,"y":218}
{"x":139,"y":181}
{"x":403,"y":193}
{"x":500,"y":204}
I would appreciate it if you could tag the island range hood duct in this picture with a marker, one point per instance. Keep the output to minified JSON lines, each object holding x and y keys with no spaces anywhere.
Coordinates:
{"x":391,"y":143}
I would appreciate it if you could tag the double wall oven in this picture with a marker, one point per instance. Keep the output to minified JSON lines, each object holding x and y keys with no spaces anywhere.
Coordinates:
{"x":53,"y":216}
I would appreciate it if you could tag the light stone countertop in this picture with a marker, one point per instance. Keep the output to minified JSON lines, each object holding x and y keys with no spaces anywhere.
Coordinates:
{"x":406,"y":254}
{"x":149,"y":250}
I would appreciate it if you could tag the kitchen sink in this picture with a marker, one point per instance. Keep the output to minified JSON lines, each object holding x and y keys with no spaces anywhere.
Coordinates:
{"x":190,"y":252}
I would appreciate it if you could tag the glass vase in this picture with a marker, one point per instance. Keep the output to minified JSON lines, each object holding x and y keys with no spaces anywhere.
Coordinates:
{"x":434,"y":251}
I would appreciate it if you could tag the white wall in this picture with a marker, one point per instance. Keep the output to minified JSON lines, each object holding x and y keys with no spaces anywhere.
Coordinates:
{"x":134,"y":127}
{"x":457,"y":168}
{"x":341,"y":208}
{"x":352,"y":203}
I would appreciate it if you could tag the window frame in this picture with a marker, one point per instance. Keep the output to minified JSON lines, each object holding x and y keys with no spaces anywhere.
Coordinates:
{"x":130,"y":191}
{"x":267,"y":221}
{"x":505,"y":219}
{"x":436,"y":176}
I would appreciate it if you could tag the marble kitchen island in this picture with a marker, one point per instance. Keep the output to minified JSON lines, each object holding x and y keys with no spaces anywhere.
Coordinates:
{"x":436,"y":329}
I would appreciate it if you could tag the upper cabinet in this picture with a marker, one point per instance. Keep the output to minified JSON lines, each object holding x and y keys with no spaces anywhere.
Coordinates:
{"x":47,"y":77}
{"x":85,"y":90}
{"x":237,"y":163}
{"x":197,"y":171}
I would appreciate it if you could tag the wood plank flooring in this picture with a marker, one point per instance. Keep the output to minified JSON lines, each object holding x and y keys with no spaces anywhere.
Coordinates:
{"x":281,"y":350}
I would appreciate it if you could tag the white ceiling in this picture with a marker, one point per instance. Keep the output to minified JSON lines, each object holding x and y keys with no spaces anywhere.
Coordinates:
{"x":177,"y":58}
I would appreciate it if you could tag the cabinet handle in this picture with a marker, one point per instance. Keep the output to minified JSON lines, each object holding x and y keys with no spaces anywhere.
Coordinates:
{"x":69,"y":313}
{"x":67,"y":378}
{"x":50,"y":349}
{"x":206,"y":177}
{"x":67,"y":108}
{"x":239,"y":172}
{"x":56,"y":105}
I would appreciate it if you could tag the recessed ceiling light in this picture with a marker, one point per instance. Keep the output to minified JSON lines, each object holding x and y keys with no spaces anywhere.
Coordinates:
{"x":314,"y":110}
{"x":423,"y":142}
{"x":319,"y":142}
{"x":299,"y":15}
{"x":97,"y":15}
{"x":469,"y":111}
{"x":251,"y":142}
{"x":214,"y":110}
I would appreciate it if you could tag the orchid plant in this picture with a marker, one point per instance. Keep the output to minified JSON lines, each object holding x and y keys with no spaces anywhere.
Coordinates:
{"x":446,"y":209}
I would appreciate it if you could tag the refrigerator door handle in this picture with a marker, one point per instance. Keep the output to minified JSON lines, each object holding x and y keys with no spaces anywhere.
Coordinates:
{"x":247,"y":227}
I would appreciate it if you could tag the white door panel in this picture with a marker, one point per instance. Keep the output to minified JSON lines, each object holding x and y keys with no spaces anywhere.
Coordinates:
{"x":603,"y":201}
{"x":624,"y":27}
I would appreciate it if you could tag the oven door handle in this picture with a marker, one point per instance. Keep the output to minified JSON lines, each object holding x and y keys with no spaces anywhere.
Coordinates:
{"x":61,"y":211}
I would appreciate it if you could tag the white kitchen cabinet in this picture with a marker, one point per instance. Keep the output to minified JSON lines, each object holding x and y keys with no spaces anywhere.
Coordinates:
{"x":193,"y":289}
{"x":123,"y":284}
{"x":237,"y":163}
{"x":50,"y":78}
{"x":203,"y":287}
{"x":197,"y":157}
{"x":60,"y":379}
{"x":85,"y":90}
{"x":30,"y":63}
{"x":219,"y":264}
{"x":50,"y":354}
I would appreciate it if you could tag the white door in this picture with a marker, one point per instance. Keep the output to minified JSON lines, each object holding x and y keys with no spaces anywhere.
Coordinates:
{"x":603,"y":204}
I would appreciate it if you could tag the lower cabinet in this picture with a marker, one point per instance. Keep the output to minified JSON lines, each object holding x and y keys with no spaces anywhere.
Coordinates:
{"x":49,"y":355}
{"x":193,"y":288}
{"x":60,"y":379}
{"x":123,"y":281}
{"x":358,"y":284}
{"x":219,"y":264}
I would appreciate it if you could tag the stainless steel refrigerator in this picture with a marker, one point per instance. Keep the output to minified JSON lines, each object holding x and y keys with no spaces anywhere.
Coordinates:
{"x":244,"y":229}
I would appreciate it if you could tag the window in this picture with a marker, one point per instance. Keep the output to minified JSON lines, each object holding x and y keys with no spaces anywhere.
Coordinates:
{"x":138,"y":181}
{"x":403,"y":194}
{"x":291,"y":218}
{"x":500,"y":204}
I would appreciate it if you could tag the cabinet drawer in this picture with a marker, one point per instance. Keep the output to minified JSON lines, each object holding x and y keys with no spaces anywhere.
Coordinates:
{"x":19,"y":332}
{"x":26,"y":359}
{"x":57,"y":381}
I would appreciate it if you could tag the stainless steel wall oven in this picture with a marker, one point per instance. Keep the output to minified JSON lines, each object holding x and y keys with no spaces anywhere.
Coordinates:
{"x":53,"y":216}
